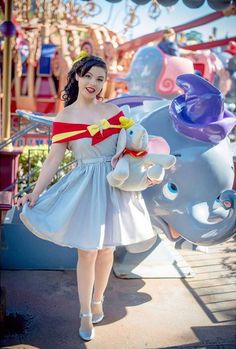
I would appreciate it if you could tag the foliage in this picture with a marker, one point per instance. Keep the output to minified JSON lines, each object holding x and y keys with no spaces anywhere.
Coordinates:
{"x":31,"y":161}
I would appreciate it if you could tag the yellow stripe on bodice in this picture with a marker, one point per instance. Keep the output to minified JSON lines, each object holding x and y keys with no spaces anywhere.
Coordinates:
{"x":61,"y":136}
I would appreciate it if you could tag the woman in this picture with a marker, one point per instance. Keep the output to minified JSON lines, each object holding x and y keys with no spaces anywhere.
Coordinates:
{"x":81,"y":210}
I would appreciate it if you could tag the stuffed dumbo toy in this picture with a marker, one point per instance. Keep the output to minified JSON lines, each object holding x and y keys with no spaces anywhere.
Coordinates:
{"x":140,"y":160}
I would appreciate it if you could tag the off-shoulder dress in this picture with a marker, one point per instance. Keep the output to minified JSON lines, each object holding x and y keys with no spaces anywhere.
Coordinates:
{"x":82,"y":210}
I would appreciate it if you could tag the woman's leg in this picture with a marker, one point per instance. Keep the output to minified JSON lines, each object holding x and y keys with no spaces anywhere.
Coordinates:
{"x":103,"y":267}
{"x":85,"y":281}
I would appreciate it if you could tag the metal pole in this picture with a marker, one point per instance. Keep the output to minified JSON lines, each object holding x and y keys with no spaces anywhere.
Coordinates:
{"x":7,"y":57}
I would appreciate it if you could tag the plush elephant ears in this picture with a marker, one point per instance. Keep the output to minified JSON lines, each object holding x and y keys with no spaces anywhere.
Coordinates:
{"x":158,"y":145}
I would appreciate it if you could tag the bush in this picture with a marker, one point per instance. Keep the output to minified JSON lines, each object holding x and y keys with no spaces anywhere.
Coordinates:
{"x":31,"y":161}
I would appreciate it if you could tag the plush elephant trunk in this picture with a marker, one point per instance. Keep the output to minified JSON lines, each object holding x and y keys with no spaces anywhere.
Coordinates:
{"x":140,"y":140}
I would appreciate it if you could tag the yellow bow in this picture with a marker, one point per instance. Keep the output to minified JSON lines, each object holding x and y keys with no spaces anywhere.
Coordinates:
{"x":103,"y":125}
{"x":126,"y":122}
{"x":82,"y":55}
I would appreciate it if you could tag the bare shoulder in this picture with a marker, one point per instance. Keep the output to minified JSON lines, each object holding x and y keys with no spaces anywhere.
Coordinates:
{"x":111,"y":108}
{"x":63,"y":114}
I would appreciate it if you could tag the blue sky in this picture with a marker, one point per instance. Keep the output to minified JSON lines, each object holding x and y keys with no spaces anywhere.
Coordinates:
{"x":178,"y":15}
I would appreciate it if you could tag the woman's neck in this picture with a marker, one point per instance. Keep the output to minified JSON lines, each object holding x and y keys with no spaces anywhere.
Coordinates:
{"x":86,"y":102}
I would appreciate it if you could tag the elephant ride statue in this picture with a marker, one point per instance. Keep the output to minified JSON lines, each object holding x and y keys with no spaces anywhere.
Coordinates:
{"x":195,"y":200}
{"x":153,"y":73}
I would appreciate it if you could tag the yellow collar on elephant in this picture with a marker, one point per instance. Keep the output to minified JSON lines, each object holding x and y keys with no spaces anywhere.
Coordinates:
{"x":135,"y":154}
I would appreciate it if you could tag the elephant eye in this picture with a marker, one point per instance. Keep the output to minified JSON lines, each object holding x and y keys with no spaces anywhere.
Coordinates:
{"x":170,"y":191}
{"x":131,"y":132}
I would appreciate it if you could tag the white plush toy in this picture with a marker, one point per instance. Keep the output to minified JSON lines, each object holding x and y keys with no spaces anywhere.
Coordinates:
{"x":140,"y":160}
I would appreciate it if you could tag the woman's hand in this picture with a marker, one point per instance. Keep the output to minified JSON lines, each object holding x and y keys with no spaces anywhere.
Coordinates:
{"x":31,"y":198}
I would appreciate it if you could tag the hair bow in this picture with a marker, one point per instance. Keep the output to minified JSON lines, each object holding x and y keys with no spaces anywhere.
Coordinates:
{"x":82,"y":55}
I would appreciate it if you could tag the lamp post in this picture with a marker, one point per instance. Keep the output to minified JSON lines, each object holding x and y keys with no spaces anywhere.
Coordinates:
{"x":8,"y":30}
{"x":8,"y":156}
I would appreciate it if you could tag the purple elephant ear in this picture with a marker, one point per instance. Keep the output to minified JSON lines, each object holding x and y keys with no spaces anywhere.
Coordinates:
{"x":199,"y":113}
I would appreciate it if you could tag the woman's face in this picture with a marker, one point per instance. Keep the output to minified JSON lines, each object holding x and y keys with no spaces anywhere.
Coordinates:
{"x":91,"y":84}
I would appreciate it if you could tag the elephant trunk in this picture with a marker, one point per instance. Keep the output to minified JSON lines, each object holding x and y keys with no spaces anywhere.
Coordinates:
{"x":200,"y":226}
{"x":228,"y":199}
{"x":212,"y":228}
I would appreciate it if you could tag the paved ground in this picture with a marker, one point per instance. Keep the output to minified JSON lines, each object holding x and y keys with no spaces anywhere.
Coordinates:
{"x":42,"y":308}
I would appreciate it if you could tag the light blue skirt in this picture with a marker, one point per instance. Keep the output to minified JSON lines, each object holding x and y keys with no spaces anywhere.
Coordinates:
{"x":83,"y":211}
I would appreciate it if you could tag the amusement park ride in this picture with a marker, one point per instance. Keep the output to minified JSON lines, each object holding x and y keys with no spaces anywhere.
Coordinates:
{"x":46,"y":36}
{"x":51,"y":34}
{"x":39,"y":41}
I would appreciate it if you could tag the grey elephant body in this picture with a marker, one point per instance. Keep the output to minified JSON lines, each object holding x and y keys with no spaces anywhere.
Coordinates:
{"x":202,"y":177}
{"x":135,"y":166}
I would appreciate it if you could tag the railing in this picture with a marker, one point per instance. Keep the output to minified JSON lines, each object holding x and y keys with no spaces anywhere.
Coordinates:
{"x":18,"y":135}
{"x":31,"y":173}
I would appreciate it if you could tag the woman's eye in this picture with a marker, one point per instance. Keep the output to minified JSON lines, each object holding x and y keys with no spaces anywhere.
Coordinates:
{"x":87,"y":76}
{"x":170,"y":191}
{"x":100,"y":80}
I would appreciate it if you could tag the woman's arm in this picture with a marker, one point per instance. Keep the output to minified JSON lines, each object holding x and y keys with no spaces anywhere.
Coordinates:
{"x":49,"y":168}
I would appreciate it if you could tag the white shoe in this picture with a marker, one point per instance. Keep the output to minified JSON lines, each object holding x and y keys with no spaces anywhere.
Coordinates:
{"x":87,"y":335}
{"x":97,"y":317}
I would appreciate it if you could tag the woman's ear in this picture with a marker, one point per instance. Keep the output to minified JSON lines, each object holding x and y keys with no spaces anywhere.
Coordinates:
{"x":121,"y":144}
{"x":76,"y":77}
